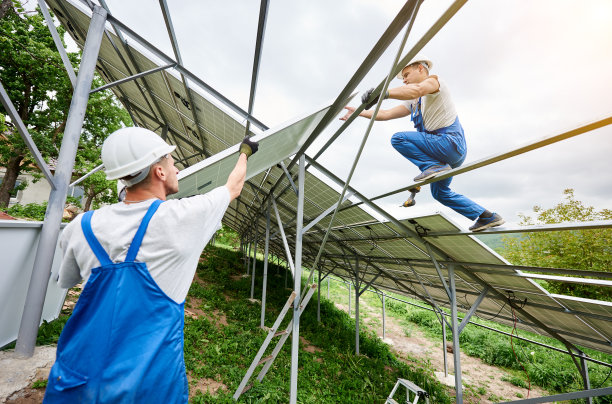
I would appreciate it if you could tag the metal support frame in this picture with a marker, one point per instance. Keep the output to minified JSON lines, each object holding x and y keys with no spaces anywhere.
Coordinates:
{"x":567,"y":396}
{"x":470,"y":313}
{"x":254,"y":263}
{"x":58,"y":42}
{"x":25,"y":135}
{"x":585,"y":375}
{"x":326,"y":212}
{"x":261,"y":29}
{"x":288,"y":175}
{"x":265,"y":268}
{"x":83,"y":178}
{"x":179,"y":59}
{"x":130,"y":78}
{"x":285,"y":243}
{"x":43,"y":260}
{"x":455,"y":329}
{"x":297,"y":278}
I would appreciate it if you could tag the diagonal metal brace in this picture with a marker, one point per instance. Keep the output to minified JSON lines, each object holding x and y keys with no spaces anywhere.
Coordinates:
{"x":470,"y":313}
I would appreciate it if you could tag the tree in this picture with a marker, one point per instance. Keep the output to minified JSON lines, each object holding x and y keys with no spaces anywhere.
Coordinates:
{"x":33,"y":75}
{"x":577,"y":249}
{"x":105,"y":116}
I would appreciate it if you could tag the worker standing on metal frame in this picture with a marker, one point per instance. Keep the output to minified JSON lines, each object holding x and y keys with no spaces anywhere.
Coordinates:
{"x":438,"y":145}
{"x":124,"y":340}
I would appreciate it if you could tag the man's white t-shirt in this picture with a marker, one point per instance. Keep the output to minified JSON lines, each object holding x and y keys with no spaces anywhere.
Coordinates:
{"x":437,"y":108}
{"x":173,"y":242}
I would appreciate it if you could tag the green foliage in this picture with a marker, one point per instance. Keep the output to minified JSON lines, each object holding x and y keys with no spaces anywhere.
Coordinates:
{"x":34,"y":77}
{"x":580,"y":249}
{"x":331,"y":373}
{"x":39,"y":384}
{"x":34,"y":211}
{"x":227,"y":236}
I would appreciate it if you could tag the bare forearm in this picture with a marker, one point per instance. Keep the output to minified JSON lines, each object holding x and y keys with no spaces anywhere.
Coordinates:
{"x":235,"y":181}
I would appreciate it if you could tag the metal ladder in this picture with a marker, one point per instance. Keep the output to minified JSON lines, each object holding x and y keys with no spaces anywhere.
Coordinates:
{"x":258,"y":360}
{"x":410,"y":387}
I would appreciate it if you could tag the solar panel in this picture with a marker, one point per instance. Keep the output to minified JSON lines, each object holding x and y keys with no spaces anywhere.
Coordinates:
{"x":395,"y":252}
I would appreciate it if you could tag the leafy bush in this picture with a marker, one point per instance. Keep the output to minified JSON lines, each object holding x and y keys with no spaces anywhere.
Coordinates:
{"x":34,"y":211}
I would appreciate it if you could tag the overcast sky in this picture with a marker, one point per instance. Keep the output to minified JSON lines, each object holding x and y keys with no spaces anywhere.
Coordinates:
{"x":518,"y":71}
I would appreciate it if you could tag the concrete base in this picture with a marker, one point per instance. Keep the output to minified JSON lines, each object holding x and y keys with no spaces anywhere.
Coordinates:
{"x":450,"y":379}
{"x":256,"y":301}
{"x":17,"y":373}
{"x":387,"y":341}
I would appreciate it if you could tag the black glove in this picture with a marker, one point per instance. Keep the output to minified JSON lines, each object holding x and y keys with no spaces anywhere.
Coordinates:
{"x":248,"y":146}
{"x":366,"y":96}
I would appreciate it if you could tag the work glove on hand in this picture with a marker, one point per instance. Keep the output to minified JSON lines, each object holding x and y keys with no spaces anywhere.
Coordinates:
{"x":366,"y":96}
{"x":248,"y":146}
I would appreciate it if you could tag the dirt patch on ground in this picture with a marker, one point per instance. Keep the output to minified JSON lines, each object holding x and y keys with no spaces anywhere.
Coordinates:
{"x":482,"y":383}
{"x":205,"y":385}
{"x":195,"y":311}
{"x":308,"y":347}
{"x":27,"y":396}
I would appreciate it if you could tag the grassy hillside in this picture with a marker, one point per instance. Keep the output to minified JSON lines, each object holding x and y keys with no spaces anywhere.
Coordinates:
{"x":221,"y":343}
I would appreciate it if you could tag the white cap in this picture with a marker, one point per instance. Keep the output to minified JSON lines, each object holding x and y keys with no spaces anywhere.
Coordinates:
{"x":130,"y":151}
{"x":420,"y":58}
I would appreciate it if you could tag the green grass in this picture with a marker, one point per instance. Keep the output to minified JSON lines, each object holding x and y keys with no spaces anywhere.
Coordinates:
{"x":554,"y":371}
{"x":333,"y":374}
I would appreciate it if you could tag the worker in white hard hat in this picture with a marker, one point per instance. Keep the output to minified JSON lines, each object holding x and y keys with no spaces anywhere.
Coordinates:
{"x":438,"y":144}
{"x":124,"y":340}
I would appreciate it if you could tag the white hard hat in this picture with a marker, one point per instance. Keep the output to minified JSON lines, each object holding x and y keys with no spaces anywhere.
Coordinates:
{"x":420,"y":58}
{"x":129,"y":151}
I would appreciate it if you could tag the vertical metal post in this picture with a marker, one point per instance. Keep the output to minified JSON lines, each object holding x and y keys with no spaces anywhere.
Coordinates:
{"x":384,"y":307}
{"x":248,"y":255}
{"x":585,"y":376}
{"x":349,"y":299}
{"x":357,"y":293}
{"x":295,"y":337}
{"x":319,"y":298}
{"x":43,"y":260}
{"x":444,"y":348}
{"x":254,"y":263}
{"x":455,"y":324}
{"x":265,"y":268}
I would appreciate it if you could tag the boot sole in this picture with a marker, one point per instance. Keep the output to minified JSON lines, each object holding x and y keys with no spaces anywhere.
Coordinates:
{"x":417,"y":179}
{"x":489,"y":225}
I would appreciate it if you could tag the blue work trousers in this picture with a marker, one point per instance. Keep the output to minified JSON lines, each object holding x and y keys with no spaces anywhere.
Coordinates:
{"x":440,"y":147}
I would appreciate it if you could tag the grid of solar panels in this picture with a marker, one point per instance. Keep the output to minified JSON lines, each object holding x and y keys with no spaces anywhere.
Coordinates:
{"x":392,"y":255}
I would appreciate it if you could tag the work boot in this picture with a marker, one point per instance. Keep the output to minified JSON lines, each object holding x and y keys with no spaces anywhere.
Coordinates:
{"x":411,"y":199}
{"x":487,"y":222}
{"x":432,"y":172}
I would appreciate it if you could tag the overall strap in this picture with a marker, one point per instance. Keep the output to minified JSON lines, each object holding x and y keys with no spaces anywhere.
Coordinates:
{"x":93,"y":242}
{"x":135,"y":246}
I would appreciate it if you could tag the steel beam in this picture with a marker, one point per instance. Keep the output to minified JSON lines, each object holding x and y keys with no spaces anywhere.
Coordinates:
{"x":470,"y":313}
{"x":179,"y":59}
{"x":567,"y":396}
{"x":297,"y":279}
{"x":58,"y":42}
{"x":130,"y":78}
{"x":25,"y":135}
{"x":261,"y":29}
{"x":43,"y":260}
{"x":254,"y":263}
{"x":265,"y":268}
{"x":455,"y":328}
{"x":285,"y":243}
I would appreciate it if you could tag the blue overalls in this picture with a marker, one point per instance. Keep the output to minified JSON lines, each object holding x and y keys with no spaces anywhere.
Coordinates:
{"x":442,"y":146}
{"x":124,"y":340}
